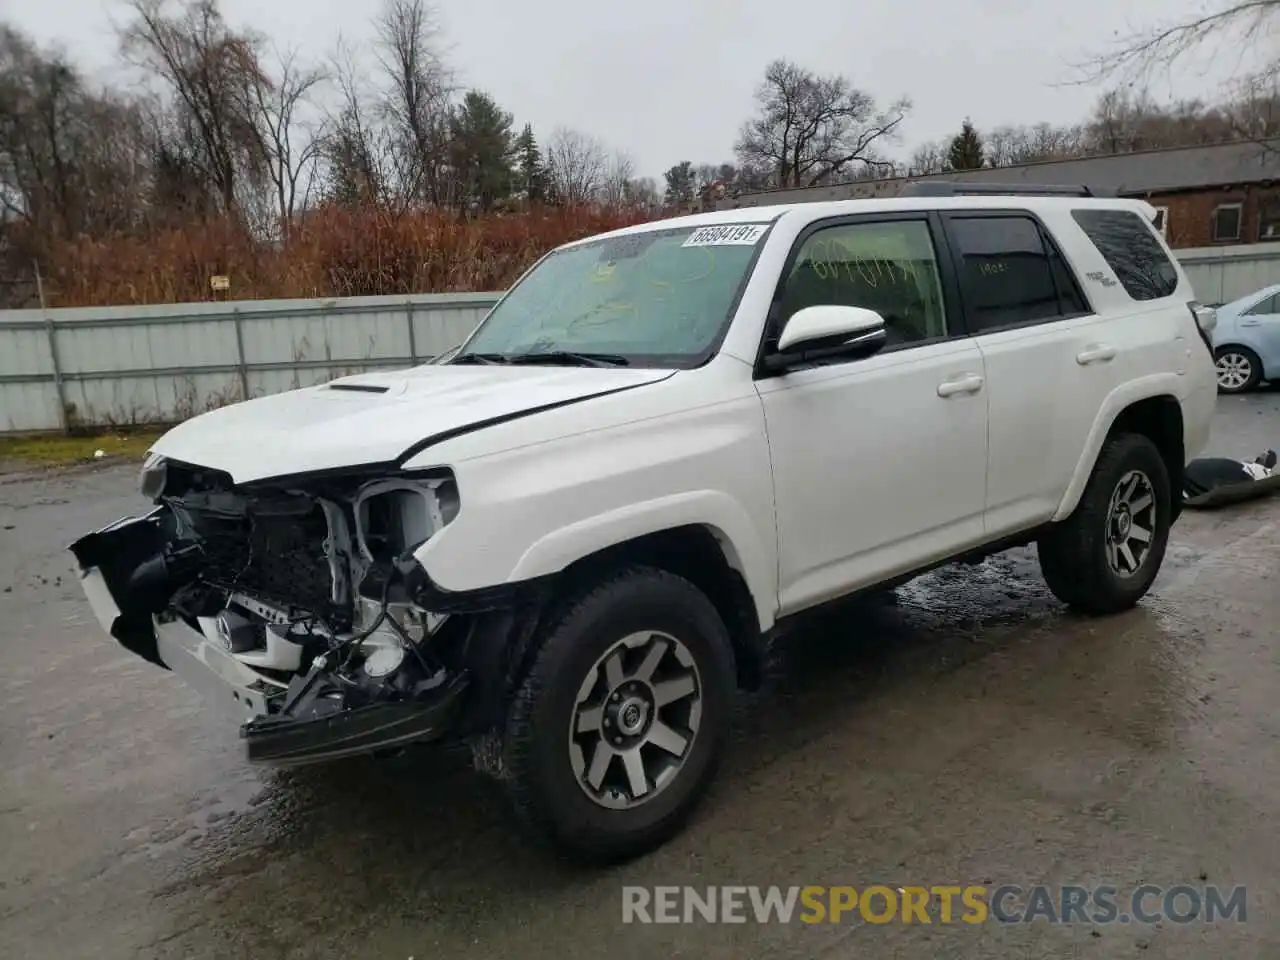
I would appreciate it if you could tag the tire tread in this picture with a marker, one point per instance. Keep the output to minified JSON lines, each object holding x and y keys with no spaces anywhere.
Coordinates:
{"x":1072,"y":555}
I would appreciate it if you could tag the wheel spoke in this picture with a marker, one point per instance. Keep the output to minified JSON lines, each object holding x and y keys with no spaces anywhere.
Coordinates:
{"x":636,"y":778}
{"x":589,"y":720}
{"x":1112,"y":557}
{"x":669,"y":691}
{"x":1128,"y":556}
{"x":660,"y":735}
{"x":600,"y":761}
{"x":1141,"y":534}
{"x":657,"y":650}
{"x":613,"y":674}
{"x":1144,"y":501}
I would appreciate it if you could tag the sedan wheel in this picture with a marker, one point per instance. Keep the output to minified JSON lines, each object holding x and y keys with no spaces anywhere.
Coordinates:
{"x":1238,"y":370}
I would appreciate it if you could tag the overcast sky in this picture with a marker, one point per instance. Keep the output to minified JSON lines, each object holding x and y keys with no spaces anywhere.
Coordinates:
{"x":668,"y":80}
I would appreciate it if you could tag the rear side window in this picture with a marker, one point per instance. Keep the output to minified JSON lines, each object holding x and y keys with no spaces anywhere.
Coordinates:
{"x":1132,"y":250}
{"x":1011,"y":274}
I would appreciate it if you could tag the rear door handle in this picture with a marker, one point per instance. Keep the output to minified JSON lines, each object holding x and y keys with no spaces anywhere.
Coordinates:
{"x":1096,"y":353}
{"x":969,"y":383}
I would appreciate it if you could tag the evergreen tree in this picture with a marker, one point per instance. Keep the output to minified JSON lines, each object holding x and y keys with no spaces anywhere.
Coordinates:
{"x":531,"y":173}
{"x":481,"y":151}
{"x":965,"y":152}
{"x":682,"y":186}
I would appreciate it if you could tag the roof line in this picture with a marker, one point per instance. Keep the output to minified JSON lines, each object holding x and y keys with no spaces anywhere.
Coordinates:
{"x":1272,"y":142}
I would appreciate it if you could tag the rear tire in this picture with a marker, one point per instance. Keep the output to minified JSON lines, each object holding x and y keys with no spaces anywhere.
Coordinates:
{"x":618,"y":727}
{"x":1239,"y":369}
{"x":1105,"y":556}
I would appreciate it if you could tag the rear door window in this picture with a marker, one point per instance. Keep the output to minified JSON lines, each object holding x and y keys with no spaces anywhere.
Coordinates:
{"x":1012,"y":274}
{"x":1132,"y":250}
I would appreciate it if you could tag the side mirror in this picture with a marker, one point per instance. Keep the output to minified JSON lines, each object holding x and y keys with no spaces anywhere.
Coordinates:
{"x":818,"y":332}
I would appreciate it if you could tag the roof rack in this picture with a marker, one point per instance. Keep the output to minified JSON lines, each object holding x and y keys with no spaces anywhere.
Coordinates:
{"x":962,"y":188}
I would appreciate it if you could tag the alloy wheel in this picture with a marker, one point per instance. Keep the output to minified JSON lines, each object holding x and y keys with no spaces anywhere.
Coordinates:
{"x":1131,"y":524}
{"x":1234,"y":370}
{"x":634,"y":720}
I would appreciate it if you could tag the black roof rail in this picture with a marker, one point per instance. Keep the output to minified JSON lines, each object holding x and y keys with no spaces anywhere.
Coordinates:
{"x":962,"y":188}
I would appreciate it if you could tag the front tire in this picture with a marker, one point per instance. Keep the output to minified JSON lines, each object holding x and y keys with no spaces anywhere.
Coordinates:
{"x":1239,"y":369}
{"x":619,"y":724}
{"x":1105,"y":556}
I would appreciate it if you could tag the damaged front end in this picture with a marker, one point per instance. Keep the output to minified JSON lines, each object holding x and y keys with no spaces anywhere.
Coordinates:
{"x":297,"y":607}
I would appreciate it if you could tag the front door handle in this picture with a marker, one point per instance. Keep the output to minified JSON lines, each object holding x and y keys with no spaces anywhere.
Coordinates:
{"x":969,"y":383}
{"x":1250,"y":323}
{"x":1096,"y":353}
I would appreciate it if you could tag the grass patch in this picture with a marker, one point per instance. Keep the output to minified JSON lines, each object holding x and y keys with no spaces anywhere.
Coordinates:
{"x":55,"y":450}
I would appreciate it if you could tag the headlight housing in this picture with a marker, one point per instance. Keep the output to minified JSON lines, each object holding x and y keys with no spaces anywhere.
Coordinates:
{"x":396,"y":515}
{"x":153,"y":476}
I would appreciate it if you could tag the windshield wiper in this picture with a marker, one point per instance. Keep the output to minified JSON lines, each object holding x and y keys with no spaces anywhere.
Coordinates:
{"x":485,"y":358}
{"x":566,"y":356}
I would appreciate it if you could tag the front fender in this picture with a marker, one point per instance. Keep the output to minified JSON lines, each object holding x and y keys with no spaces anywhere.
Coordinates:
{"x":1124,"y":396}
{"x":530,"y":511}
{"x":717,"y":511}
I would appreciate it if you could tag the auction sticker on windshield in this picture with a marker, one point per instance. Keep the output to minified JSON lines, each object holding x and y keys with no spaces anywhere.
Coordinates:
{"x":729,"y":234}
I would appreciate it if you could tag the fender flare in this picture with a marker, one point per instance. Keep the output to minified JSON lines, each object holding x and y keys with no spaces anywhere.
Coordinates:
{"x":728,"y":522}
{"x":1120,"y":399}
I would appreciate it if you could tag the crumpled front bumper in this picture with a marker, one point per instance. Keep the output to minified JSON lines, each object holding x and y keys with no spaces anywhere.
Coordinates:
{"x":107,"y":559}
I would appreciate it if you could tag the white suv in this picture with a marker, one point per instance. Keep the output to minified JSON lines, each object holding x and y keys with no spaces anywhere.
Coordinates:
{"x":570,"y":539}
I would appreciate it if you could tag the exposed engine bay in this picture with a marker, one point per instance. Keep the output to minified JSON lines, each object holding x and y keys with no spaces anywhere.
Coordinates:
{"x":315,"y":591}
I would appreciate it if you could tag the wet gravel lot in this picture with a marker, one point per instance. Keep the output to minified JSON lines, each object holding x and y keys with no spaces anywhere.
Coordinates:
{"x":970,"y":732}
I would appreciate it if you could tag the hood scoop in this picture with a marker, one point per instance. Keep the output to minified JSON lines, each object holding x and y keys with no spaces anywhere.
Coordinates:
{"x":359,"y":387}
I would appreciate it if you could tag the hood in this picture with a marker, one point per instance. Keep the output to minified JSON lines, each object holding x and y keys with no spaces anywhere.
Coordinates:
{"x":379,"y":417}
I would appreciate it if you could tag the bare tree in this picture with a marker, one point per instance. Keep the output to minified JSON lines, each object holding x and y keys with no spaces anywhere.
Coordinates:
{"x":291,"y":141}
{"x":212,"y":73}
{"x":1134,"y":57}
{"x":616,"y":183}
{"x":1252,"y":110}
{"x":643,"y":194}
{"x":576,"y":166}
{"x":72,"y":159}
{"x":811,"y":129}
{"x":928,"y":158}
{"x":354,"y":146}
{"x":418,"y":102}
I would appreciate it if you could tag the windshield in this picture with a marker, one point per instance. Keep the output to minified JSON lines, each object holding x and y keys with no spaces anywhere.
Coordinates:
{"x":655,"y":298}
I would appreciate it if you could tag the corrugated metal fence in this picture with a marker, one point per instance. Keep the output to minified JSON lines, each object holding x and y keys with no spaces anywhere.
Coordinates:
{"x":121,"y":365}
{"x":1222,"y":274}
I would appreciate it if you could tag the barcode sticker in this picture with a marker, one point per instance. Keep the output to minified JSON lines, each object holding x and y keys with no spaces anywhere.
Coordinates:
{"x":729,"y":234}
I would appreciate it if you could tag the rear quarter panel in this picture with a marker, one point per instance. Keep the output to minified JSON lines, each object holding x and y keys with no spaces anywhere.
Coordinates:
{"x":1159,"y":350}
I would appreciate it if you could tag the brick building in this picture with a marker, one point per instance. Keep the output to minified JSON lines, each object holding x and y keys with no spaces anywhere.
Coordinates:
{"x":1222,"y":194}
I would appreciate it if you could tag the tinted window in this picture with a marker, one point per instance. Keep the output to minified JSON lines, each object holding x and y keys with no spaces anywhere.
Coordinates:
{"x":1010,"y":275}
{"x":887,"y":267}
{"x":1132,"y":250}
